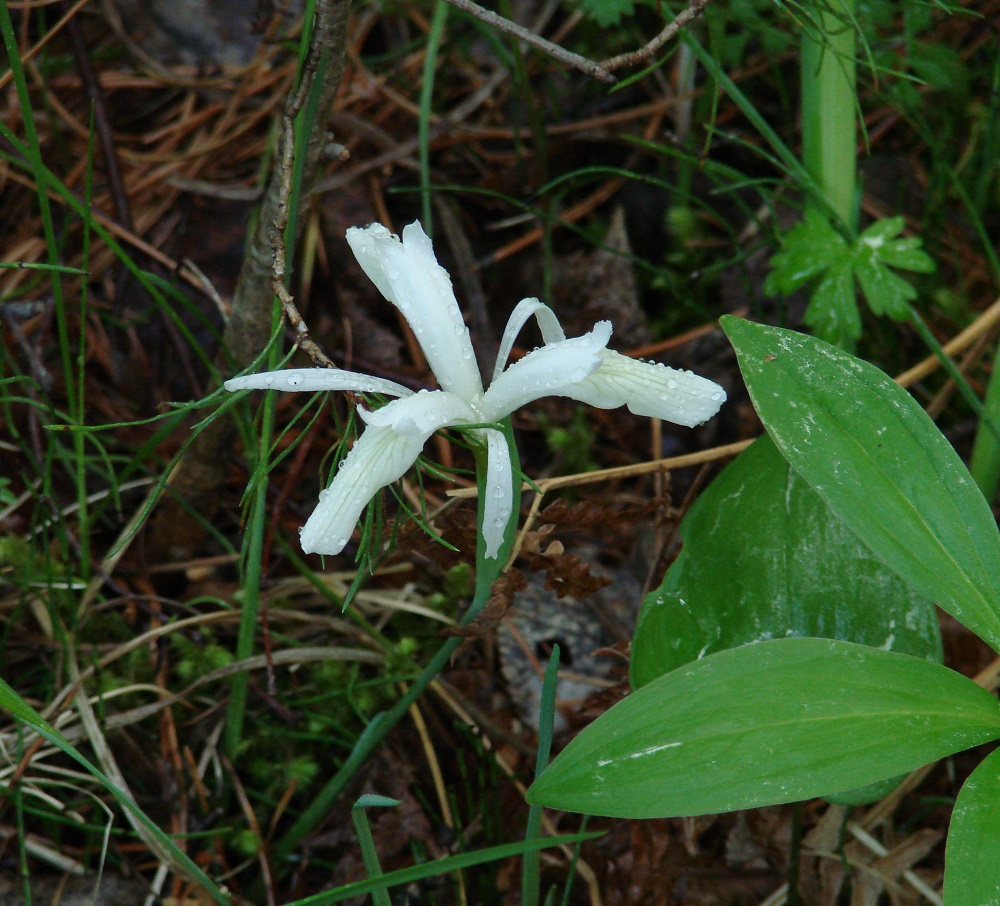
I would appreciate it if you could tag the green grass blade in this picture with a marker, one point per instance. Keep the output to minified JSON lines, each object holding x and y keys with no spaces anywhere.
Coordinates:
{"x":530,"y":871}
{"x":441,"y":867}
{"x":23,"y":712}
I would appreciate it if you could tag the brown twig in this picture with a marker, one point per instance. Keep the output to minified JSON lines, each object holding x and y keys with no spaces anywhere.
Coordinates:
{"x":200,"y":475}
{"x":594,"y":70}
{"x":634,"y":57}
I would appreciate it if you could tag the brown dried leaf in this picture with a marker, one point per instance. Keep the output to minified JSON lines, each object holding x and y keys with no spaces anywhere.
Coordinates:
{"x":567,"y":574}
{"x":501,"y":597}
{"x":456,"y":525}
{"x":599,"y":516}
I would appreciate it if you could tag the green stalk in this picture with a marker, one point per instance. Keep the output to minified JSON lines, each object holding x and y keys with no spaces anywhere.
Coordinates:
{"x":829,"y":131}
{"x":434,"y":39}
{"x":250,"y":584}
{"x":78,"y":416}
{"x":531,"y":878}
{"x":487,"y":572}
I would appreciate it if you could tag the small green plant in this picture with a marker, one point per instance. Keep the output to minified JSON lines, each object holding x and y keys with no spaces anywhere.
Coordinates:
{"x":793,"y":718}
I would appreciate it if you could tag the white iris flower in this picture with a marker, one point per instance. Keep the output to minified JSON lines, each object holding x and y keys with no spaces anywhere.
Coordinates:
{"x":583,"y":368}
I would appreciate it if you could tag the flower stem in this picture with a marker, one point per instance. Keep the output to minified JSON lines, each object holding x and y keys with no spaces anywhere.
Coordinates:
{"x":487,"y":571}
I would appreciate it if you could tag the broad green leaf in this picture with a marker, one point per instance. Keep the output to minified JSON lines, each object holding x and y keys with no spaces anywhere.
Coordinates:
{"x":972,"y":856}
{"x":763,"y":724}
{"x":764,"y":557}
{"x":869,"y":450}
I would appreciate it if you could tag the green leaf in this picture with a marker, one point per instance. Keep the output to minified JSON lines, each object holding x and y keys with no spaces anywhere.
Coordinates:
{"x":607,"y":13}
{"x":807,"y":250}
{"x":832,"y":312}
{"x":887,"y":293}
{"x":972,"y":855}
{"x":879,"y":462}
{"x":764,"y":557}
{"x":907,"y":255}
{"x":764,"y":724}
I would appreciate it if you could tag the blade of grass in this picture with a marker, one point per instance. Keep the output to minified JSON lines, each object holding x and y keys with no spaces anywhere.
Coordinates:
{"x":530,"y":873}
{"x":25,"y":714}
{"x":380,"y":896}
{"x":434,"y":38}
{"x":441,"y":867}
{"x":791,"y":163}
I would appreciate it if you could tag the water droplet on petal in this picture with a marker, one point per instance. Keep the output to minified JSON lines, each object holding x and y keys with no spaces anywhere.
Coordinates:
{"x":672,"y":384}
{"x":294,"y":379}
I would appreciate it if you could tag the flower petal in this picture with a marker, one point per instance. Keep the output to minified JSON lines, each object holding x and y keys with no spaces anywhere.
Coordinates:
{"x":421,"y":414}
{"x":379,"y":457}
{"x":409,"y":276}
{"x":546,"y":371}
{"x":648,"y":389}
{"x":548,"y":323}
{"x":499,"y":502}
{"x":310,"y":380}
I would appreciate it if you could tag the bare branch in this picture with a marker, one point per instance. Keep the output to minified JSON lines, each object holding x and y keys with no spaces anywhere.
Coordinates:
{"x":696,"y":8}
{"x":594,"y":70}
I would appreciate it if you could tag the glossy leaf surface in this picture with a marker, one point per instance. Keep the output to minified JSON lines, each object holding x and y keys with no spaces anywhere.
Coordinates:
{"x":764,"y":724}
{"x":869,"y":450}
{"x":764,"y":557}
{"x":973,"y":851}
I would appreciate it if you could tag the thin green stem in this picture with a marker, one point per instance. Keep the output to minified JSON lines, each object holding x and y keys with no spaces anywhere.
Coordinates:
{"x":434,"y":39}
{"x":78,"y":415}
{"x":531,"y":864}
{"x":487,"y":571}
{"x":252,"y":574}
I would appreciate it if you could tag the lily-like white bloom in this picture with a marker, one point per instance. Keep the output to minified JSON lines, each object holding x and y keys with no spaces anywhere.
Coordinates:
{"x":582,"y":368}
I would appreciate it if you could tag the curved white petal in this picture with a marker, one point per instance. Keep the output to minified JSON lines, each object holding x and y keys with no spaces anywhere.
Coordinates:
{"x":379,"y":457}
{"x":310,"y":380}
{"x":421,"y":414}
{"x":548,"y":323}
{"x":499,"y":502}
{"x":546,"y":371}
{"x":408,"y":275}
{"x":648,"y":389}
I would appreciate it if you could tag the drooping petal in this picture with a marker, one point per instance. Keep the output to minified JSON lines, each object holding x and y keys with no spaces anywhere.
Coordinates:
{"x":409,"y":276}
{"x":379,"y":457}
{"x":499,"y":502}
{"x":649,"y":389}
{"x":545,"y":371}
{"x":548,"y":323}
{"x":310,"y":380}
{"x":421,"y":414}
